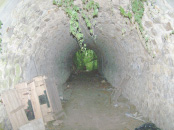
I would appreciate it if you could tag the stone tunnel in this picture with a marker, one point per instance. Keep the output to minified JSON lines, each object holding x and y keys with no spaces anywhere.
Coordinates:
{"x":36,"y":41}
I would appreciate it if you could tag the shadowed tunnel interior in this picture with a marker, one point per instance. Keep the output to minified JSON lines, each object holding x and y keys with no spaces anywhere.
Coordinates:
{"x":38,"y":42}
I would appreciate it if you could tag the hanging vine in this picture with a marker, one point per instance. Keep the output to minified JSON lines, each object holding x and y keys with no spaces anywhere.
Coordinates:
{"x":87,"y":12}
{"x":125,"y":14}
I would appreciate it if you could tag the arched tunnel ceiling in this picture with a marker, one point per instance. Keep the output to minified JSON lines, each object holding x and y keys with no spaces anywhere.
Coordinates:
{"x":38,"y":43}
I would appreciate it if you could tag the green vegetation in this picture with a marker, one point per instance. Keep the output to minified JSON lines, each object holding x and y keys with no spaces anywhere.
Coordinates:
{"x":0,"y":38}
{"x":85,"y":61}
{"x":146,"y":39}
{"x":172,"y":33}
{"x":125,"y":14}
{"x":88,"y":12}
{"x":138,"y":10}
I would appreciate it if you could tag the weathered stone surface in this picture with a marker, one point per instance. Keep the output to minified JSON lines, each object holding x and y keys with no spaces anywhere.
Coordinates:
{"x":157,"y":20}
{"x":57,"y":122}
{"x":39,"y":43}
{"x":154,"y":32}
{"x":34,"y":125}
{"x":168,"y":26}
{"x":148,"y":24}
{"x":116,"y":2}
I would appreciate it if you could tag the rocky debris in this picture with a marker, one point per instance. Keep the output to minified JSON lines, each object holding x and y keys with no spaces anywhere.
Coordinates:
{"x":67,"y":86}
{"x":136,"y":116}
{"x":103,"y":81}
{"x":148,"y":126}
{"x":37,"y":124}
{"x":57,"y":122}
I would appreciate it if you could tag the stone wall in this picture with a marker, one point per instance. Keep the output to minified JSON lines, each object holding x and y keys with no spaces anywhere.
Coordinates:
{"x":36,"y":41}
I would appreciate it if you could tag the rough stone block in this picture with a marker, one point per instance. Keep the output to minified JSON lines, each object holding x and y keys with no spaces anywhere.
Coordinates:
{"x":34,"y":125}
{"x":157,"y":20}
{"x":168,"y":26}
{"x":148,"y":24}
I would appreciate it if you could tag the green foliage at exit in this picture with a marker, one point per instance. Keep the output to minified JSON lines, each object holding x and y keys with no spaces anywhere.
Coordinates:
{"x":85,"y":60}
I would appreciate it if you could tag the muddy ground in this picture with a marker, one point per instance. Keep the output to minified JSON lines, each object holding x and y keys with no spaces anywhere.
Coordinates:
{"x":88,"y":106}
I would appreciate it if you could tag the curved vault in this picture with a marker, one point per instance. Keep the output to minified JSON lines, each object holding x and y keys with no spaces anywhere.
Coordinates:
{"x":38,"y":43}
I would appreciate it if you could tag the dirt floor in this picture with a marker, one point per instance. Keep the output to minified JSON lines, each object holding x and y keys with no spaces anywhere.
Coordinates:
{"x":87,"y":105}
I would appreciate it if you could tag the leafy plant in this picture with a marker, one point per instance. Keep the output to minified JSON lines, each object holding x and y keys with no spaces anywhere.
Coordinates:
{"x":123,"y":13}
{"x":73,"y":12}
{"x":90,"y":11}
{"x":138,"y":10}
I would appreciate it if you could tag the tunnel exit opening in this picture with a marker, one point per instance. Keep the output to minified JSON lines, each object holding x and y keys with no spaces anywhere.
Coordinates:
{"x":85,"y":61}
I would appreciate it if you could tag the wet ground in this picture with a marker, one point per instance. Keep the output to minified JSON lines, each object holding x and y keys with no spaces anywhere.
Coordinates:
{"x":88,"y":106}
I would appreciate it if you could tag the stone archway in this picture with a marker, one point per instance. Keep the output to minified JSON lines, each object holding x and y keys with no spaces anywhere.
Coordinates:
{"x":38,"y":43}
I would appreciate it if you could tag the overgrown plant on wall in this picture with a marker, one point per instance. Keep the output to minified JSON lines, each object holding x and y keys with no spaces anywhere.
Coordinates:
{"x":125,"y":14}
{"x":137,"y":9}
{"x":0,"y":38}
{"x":88,"y":12}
